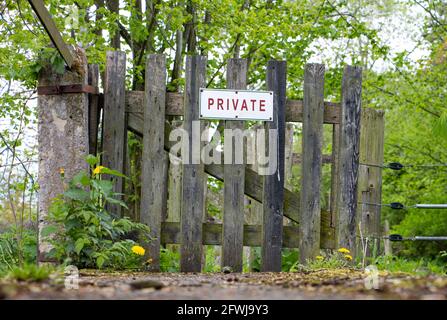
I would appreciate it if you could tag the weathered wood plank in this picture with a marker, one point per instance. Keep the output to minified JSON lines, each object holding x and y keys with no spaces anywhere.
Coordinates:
{"x":349,"y":157}
{"x":93,"y":109}
{"x":312,"y":161}
{"x":114,"y":131}
{"x":326,"y":158}
{"x":234,"y":178}
{"x":193,"y":171}
{"x":334,"y":173}
{"x":153,"y":177}
{"x":174,"y":186}
{"x":55,"y":36}
{"x":294,"y":111}
{"x":212,"y":234}
{"x":273,"y":192}
{"x":174,"y":107}
{"x":370,"y":178}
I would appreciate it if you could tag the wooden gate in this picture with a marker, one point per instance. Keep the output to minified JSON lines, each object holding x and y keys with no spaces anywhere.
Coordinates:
{"x":146,"y":113}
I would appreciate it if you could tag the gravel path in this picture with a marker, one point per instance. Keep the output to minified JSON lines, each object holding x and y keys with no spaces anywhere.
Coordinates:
{"x":322,"y":284}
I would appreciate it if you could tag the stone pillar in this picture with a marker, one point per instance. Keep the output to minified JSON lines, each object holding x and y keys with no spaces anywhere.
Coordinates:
{"x":62,"y":137}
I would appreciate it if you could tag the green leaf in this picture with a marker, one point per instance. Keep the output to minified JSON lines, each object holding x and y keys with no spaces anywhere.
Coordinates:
{"x":77,"y":194}
{"x":91,"y":160}
{"x":47,"y":230}
{"x":116,"y":201}
{"x":100,"y":261}
{"x":113,"y":173}
{"x":81,"y":178}
{"x":79,"y":245}
{"x":105,"y":186}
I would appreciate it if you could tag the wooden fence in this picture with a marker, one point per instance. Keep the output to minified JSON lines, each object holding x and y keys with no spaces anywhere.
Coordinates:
{"x":357,"y":134}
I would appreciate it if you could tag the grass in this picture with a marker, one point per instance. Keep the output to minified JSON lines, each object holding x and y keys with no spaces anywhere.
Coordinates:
{"x":420,"y":267}
{"x":31,"y":272}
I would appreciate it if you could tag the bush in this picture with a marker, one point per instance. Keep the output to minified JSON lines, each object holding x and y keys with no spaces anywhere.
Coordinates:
{"x":420,"y":223}
{"x":83,"y":233}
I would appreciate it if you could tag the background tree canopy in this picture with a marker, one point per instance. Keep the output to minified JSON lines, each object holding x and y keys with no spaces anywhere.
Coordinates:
{"x":407,"y":81}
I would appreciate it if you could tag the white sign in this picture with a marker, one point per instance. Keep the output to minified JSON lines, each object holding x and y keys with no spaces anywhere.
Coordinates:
{"x":236,"y":104}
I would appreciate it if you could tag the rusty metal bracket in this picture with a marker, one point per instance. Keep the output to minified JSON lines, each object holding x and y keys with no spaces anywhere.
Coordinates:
{"x":71,"y":88}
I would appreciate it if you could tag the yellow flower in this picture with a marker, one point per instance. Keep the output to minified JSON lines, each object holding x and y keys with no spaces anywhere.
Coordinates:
{"x":344,"y":250}
{"x":61,"y":171}
{"x":138,"y":250}
{"x":98,"y":170}
{"x":348,"y":257}
{"x":319,"y":257}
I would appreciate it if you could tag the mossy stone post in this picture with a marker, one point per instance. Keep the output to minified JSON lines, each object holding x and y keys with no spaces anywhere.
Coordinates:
{"x":63,"y":137}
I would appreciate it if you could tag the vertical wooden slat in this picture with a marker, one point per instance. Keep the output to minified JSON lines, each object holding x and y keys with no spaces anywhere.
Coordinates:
{"x":388,"y":250}
{"x":254,"y":214}
{"x":114,"y":131}
{"x":370,"y":177}
{"x":273,"y":190}
{"x":313,"y":109}
{"x":234,"y":177}
{"x":349,"y":157}
{"x":334,"y":173}
{"x":174,"y":203}
{"x":193,"y":171}
{"x":153,"y":177}
{"x":288,"y":156}
{"x":93,"y":109}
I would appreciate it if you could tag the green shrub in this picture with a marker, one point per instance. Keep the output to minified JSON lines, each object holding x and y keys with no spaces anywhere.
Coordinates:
{"x":422,"y":223}
{"x":83,"y":233}
{"x":31,"y":272}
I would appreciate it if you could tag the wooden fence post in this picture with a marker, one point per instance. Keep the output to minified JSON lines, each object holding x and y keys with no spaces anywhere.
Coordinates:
{"x":313,"y":108}
{"x":273,"y":190}
{"x":193,"y":172}
{"x":234,"y":177}
{"x":114,"y":130}
{"x":153,"y":173}
{"x":94,"y":110}
{"x":349,"y":157}
{"x":370,"y":177}
{"x":63,"y":139}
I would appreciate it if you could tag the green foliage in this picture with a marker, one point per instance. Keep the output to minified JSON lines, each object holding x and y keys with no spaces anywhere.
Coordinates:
{"x":83,"y":233}
{"x":31,"y":272}
{"x":170,"y":260}
{"x":9,"y":249}
{"x":212,"y":263}
{"x":328,"y":260}
{"x":419,"y":266}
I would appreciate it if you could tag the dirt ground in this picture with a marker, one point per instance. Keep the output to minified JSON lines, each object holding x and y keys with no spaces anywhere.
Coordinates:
{"x":322,"y":284}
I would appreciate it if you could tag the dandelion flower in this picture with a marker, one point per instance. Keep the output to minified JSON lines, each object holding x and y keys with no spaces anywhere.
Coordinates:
{"x":61,"y":171}
{"x":344,"y":251}
{"x":348,"y":257}
{"x":319,"y":258}
{"x":138,"y":250}
{"x":97,"y":170}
